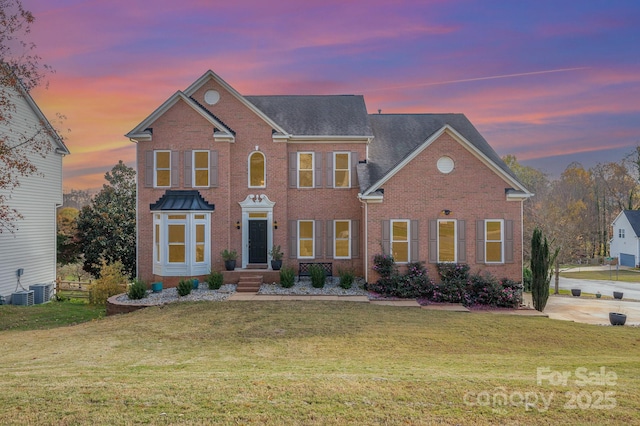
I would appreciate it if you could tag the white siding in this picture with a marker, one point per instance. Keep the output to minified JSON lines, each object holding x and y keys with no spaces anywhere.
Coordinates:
{"x":33,"y":245}
{"x":628,"y":244}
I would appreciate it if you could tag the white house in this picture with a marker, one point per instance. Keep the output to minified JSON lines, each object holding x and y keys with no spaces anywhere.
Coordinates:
{"x":28,"y":254}
{"x":625,"y":243}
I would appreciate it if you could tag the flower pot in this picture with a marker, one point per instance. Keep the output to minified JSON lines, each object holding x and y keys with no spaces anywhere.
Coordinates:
{"x":156,"y":287}
{"x":598,"y":295}
{"x":617,"y":295}
{"x":576,"y":292}
{"x":616,"y":318}
{"x":230,"y":265}
{"x":276,"y":265}
{"x":195,"y":283}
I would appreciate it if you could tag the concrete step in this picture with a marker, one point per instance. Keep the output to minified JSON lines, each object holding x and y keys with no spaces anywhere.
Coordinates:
{"x":249,"y":283}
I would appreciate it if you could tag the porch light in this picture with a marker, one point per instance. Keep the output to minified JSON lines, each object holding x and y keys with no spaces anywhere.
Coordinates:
{"x":275,"y":224}
{"x":238,"y":225}
{"x":447,"y":212}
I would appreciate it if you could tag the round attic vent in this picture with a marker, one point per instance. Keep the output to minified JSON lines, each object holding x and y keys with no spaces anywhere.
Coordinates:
{"x":211,"y":97}
{"x":445,"y":164}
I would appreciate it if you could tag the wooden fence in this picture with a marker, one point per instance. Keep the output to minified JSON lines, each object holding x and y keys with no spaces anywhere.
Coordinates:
{"x":73,"y":289}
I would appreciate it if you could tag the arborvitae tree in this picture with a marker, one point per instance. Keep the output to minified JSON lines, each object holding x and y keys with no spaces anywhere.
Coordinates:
{"x":541,"y":261}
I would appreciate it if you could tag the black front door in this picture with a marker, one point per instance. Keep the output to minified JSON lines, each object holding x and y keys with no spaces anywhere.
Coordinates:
{"x":257,"y":241}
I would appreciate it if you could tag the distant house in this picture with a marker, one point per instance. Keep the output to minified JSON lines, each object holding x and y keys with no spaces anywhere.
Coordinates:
{"x":28,"y":254}
{"x":323,"y":179}
{"x":625,"y":242}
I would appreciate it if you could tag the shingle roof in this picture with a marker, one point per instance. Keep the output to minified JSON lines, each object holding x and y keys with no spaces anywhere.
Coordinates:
{"x":633,"y":216}
{"x":330,"y":115}
{"x":181,"y":200}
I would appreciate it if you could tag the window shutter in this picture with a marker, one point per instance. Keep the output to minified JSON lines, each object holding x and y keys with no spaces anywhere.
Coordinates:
{"x":329,"y":169}
{"x":386,"y":237}
{"x":414,"y":243}
{"x":175,"y":172}
{"x":317,"y":158}
{"x":462,"y":241}
{"x":293,"y":169}
{"x":318,"y":242}
{"x":508,"y":241}
{"x":480,"y":241}
{"x":354,"y":169}
{"x":188,"y":172}
{"x":433,"y":241}
{"x":293,"y":239}
{"x":213,"y":168}
{"x":329,"y":239}
{"x":355,"y":239}
{"x":148,"y":169}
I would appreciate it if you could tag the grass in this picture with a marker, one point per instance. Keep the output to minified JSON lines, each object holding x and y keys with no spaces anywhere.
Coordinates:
{"x":622,"y":275}
{"x":311,"y":363}
{"x":48,"y":315}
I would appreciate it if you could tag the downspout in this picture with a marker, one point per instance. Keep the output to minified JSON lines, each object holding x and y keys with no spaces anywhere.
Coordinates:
{"x":366,"y":239}
{"x":522,"y":241}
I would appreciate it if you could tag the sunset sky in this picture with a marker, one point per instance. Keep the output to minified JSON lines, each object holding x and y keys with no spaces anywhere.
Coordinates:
{"x":548,"y":81}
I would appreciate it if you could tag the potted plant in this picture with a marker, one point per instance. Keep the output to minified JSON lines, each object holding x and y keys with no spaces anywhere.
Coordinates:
{"x":598,"y":295}
{"x":276,"y":258}
{"x":617,"y":295}
{"x":156,"y":287}
{"x":576,"y":292}
{"x":195,"y":283}
{"x":616,"y":318}
{"x":229,"y":257}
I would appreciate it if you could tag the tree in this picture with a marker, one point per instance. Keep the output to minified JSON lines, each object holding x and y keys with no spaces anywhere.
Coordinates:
{"x":20,"y":72}
{"x":541,"y":260}
{"x":67,"y":238}
{"x":107,"y":226}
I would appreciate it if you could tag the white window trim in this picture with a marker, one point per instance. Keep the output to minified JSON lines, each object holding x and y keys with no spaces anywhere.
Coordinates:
{"x":155,"y":168}
{"x":455,"y":240}
{"x":165,"y":268}
{"x":313,"y":171}
{"x":621,"y":233}
{"x":264,"y":178}
{"x":408,"y":222}
{"x":193,"y":168}
{"x":335,"y":239}
{"x":348,"y":169}
{"x":493,"y":241}
{"x":313,"y":240}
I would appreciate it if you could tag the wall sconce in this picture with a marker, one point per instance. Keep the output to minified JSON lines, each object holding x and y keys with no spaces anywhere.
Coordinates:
{"x":275,"y":224}
{"x":238,"y":225}
{"x":447,"y":212}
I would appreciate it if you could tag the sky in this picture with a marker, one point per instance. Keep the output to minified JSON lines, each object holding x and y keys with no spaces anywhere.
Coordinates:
{"x":550,"y":82}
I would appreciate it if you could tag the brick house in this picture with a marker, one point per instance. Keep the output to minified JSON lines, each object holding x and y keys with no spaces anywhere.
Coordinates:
{"x":323,"y":179}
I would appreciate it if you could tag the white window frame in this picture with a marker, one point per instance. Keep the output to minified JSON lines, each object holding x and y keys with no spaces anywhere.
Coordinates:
{"x":455,"y":240}
{"x":313,"y":171}
{"x":336,"y":239}
{"x":264,"y":177}
{"x":156,"y":169}
{"x":348,"y":169}
{"x":501,"y":241}
{"x":313,"y":240}
{"x":620,"y":232}
{"x":194,"y":169}
{"x":408,"y":241}
{"x":161,"y":264}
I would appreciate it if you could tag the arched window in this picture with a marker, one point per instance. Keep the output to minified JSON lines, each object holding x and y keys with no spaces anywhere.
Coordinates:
{"x":257,"y":169}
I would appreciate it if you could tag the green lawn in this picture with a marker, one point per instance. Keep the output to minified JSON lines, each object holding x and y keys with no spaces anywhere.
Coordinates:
{"x":47,"y":315}
{"x":316,"y":363}
{"x":623,"y":275}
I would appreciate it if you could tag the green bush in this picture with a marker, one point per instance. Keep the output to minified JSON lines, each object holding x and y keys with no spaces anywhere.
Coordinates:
{"x":112,"y":281}
{"x":214,"y":280}
{"x":526,"y":278}
{"x":317,"y":276}
{"x":287,"y":277}
{"x":137,"y":289}
{"x":184,"y":287}
{"x":346,"y":278}
{"x":414,"y":283}
{"x":384,"y":265}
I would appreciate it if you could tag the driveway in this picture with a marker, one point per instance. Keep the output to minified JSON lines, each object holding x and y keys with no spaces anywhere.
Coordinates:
{"x":606,"y":287}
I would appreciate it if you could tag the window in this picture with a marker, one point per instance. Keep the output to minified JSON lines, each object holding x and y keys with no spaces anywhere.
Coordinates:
{"x":621,"y":233}
{"x":400,"y":240}
{"x":257,"y":170}
{"x":494,"y":241}
{"x":181,"y":244}
{"x":201,"y":168}
{"x":305,"y":170}
{"x":342,"y":239}
{"x":446,"y":241}
{"x":305,"y":239}
{"x":162,"y":168}
{"x":341,"y":170}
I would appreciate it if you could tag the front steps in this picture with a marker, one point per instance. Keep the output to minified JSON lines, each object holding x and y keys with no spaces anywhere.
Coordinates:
{"x":249,"y":283}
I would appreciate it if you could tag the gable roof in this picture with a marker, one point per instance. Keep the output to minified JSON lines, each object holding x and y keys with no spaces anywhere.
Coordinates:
{"x":400,"y":137}
{"x":633,"y":216}
{"x":317,"y":115}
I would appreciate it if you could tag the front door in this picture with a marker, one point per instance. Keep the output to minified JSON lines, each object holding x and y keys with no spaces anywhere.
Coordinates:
{"x":257,"y":241}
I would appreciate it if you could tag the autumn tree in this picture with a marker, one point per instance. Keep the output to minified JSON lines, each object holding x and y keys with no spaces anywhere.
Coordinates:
{"x":107,"y":226}
{"x":20,"y":72}
{"x":67,"y":238}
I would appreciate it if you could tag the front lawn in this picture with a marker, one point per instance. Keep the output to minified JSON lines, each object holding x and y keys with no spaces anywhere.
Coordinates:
{"x":319,"y":363}
{"x":48,"y":315}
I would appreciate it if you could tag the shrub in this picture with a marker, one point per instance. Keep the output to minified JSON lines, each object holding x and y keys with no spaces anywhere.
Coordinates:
{"x":482,"y":289}
{"x":510,"y":295}
{"x":414,"y":284}
{"x":317,"y":276}
{"x":384,"y":265}
{"x":453,"y":271}
{"x":112,"y":281}
{"x":214,"y":280}
{"x":184,"y":287}
{"x":137,"y":289}
{"x":541,"y":259}
{"x":526,"y":278}
{"x":346,"y":278}
{"x":287,"y":276}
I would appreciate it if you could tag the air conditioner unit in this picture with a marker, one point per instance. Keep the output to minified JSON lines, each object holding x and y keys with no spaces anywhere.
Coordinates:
{"x":24,"y":298}
{"x":41,"y":293}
